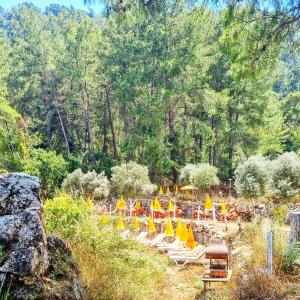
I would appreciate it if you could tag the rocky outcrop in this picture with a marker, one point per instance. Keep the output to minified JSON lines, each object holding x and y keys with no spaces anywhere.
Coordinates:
{"x":32,"y":266}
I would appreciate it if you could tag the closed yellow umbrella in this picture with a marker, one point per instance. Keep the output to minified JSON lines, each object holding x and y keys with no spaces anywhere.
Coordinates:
{"x":176,"y":189}
{"x":223,"y":208}
{"x":136,"y":225}
{"x":168,"y":191}
{"x":161,"y":191}
{"x":169,"y":229}
{"x":138,"y":205}
{"x":178,"y":229}
{"x":190,"y":242}
{"x":120,"y":224}
{"x":171,"y":206}
{"x":156,"y":205}
{"x":151,"y":227}
{"x":208,"y":203}
{"x":183,"y":233}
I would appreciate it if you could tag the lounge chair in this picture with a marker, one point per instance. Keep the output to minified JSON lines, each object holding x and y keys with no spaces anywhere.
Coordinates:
{"x":182,"y":260}
{"x":156,"y":240}
{"x":186,"y":251}
{"x":164,"y":247}
{"x":142,"y":236}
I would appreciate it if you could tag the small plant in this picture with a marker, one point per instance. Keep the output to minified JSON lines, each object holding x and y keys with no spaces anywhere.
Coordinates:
{"x":289,"y":258}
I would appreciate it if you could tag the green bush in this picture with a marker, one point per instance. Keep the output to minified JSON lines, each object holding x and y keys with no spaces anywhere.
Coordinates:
{"x":111,"y":267}
{"x":63,"y":213}
{"x":289,"y":258}
{"x":131,"y":179}
{"x":50,"y":167}
{"x":286,"y":176}
{"x":203,"y":175}
{"x":89,"y":184}
{"x":252,"y":177}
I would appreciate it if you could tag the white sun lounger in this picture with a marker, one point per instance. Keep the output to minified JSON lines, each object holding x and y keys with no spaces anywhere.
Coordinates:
{"x":164,"y":247}
{"x":156,"y":240}
{"x":182,"y":260}
{"x":125,"y":234}
{"x":142,"y":235}
{"x":186,"y":251}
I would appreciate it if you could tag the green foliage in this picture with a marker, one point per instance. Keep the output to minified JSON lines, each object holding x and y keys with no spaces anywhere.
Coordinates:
{"x":131,"y":179}
{"x":63,"y":213}
{"x":280,"y":214}
{"x":286,"y":176}
{"x":252,"y":177}
{"x":111,"y":267}
{"x":87,"y":185}
{"x":50,"y":167}
{"x":289,"y":258}
{"x":203,"y":175}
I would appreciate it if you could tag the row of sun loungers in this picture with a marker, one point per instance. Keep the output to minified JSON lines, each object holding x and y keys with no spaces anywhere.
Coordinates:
{"x":175,"y":250}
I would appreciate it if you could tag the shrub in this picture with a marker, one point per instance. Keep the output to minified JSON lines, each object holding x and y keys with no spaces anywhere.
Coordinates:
{"x":252,"y":177}
{"x":111,"y":267}
{"x":131,"y":179}
{"x":48,"y":166}
{"x":203,"y":175}
{"x":185,"y":173}
{"x":286,"y":175}
{"x":289,"y":257}
{"x":90,"y":184}
{"x":63,"y":213}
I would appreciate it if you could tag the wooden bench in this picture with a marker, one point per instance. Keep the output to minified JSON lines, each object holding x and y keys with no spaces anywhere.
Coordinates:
{"x":207,"y":279}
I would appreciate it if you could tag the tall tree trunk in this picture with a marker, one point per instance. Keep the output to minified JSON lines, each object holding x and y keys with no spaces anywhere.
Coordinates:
{"x":111,"y":124}
{"x":62,"y":127}
{"x":86,"y":100}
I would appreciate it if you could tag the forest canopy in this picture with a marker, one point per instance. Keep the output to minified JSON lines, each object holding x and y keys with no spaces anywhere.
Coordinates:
{"x":162,"y":85}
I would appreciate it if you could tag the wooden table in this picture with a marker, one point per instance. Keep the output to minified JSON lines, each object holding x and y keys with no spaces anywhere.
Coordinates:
{"x":207,"y":279}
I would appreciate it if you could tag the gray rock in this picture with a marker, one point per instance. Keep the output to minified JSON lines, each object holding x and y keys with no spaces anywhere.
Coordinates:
{"x":30,"y":258}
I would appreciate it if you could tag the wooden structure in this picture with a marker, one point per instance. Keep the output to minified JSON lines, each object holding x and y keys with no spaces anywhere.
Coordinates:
{"x":217,"y":253}
{"x":295,"y":227}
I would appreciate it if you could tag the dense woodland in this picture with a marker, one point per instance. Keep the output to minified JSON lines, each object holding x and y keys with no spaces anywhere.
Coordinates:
{"x":163,"y":84}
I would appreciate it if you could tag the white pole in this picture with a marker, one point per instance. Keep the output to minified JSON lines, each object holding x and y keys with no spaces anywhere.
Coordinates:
{"x":110,"y":209}
{"x":174,"y":212}
{"x":214,"y":214}
{"x":130,"y":209}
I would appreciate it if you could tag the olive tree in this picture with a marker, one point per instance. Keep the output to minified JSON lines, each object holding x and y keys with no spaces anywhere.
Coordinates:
{"x":252,"y":177}
{"x":131,"y":179}
{"x":89,"y":184}
{"x":285,"y":176}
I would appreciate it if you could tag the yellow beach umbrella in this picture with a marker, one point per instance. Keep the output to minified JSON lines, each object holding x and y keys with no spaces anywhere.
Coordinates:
{"x":104,"y":218}
{"x":168,"y":191}
{"x":171,"y":206}
{"x":176,"y":189}
{"x":178,"y":229}
{"x":208,"y":203}
{"x":89,"y":203}
{"x":156,"y":205}
{"x":138,"y":205}
{"x":120,"y":224}
{"x":190,"y":242}
{"x":151,"y":227}
{"x":136,"y":225}
{"x":223,"y":208}
{"x":161,"y":191}
{"x":183,"y":233}
{"x":169,"y":229}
